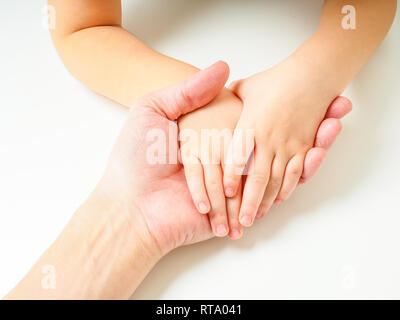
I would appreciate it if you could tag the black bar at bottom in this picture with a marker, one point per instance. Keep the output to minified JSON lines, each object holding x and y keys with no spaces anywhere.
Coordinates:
{"x":202,"y":309}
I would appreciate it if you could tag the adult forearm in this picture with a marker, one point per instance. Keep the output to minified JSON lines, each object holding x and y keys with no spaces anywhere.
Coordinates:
{"x":101,"y":254}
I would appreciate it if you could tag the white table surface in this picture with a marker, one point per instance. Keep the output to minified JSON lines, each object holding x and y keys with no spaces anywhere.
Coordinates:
{"x":337,"y":237}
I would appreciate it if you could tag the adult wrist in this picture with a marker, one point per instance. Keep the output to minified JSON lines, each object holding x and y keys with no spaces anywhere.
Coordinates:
{"x":107,"y":247}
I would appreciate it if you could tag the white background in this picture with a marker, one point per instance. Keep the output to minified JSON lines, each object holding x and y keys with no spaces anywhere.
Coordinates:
{"x":337,"y":237}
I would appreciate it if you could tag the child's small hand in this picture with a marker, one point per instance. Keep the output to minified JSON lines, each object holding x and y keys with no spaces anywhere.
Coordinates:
{"x":284,"y":107}
{"x":203,"y":162}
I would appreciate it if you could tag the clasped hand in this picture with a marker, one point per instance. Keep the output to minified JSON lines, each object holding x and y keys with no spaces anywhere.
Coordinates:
{"x":159,"y":196}
{"x":265,"y":135}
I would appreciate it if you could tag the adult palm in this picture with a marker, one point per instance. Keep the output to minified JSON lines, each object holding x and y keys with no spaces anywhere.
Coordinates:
{"x":156,"y":194}
{"x":152,"y":182}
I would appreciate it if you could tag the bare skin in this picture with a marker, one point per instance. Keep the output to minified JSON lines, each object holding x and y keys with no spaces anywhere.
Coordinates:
{"x":300,"y":89}
{"x":113,"y":62}
{"x":196,"y":168}
{"x":118,"y":235}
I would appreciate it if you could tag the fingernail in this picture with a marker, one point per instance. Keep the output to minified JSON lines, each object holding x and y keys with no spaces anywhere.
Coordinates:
{"x":245,"y":221}
{"x":259,"y":214}
{"x":203,"y":208}
{"x":229,"y":192}
{"x":278,"y":201}
{"x":221,"y":230}
{"x":235,"y":234}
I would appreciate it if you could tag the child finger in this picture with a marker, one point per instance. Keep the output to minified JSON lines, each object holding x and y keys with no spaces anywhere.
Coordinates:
{"x":215,"y":191}
{"x":239,"y":151}
{"x":339,"y":108}
{"x":256,"y":182}
{"x":312,"y":162}
{"x":293,"y":172}
{"x":195,"y":181}
{"x":233,"y":207}
{"x":327,"y":133}
{"x":274,"y":185}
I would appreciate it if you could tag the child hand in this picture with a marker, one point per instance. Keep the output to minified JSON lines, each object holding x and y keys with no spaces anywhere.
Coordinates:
{"x":284,"y":107}
{"x":203,"y":158}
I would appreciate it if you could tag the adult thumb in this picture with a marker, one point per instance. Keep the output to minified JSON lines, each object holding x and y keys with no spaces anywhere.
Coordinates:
{"x":189,"y":94}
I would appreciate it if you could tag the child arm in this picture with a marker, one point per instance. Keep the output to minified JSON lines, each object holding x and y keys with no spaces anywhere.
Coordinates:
{"x":348,"y":35}
{"x":299,"y":90}
{"x":113,"y":62}
{"x":105,"y":57}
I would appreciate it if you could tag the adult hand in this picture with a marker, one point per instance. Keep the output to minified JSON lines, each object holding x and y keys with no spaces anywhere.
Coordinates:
{"x":138,"y":212}
{"x":158,"y":192}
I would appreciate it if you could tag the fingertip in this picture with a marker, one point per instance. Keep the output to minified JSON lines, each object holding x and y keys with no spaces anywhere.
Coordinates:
{"x":203,"y":207}
{"x":339,"y":108}
{"x":347,"y":105}
{"x":331,"y":122}
{"x":230,"y":192}
{"x":230,"y":184}
{"x":312,"y":162}
{"x":221,"y":67}
{"x":222,"y":63}
{"x":334,"y":123}
{"x":221,"y":231}
{"x":302,"y":181}
{"x":328,"y":132}
{"x":319,"y":153}
{"x":235,"y":234}
{"x":260,"y":215}
{"x":245,"y":220}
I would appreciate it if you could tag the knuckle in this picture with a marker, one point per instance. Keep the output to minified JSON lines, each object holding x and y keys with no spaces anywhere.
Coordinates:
{"x":283,"y":193}
{"x":274,"y":183}
{"x":233,"y":175}
{"x":250,"y":209}
{"x":233,"y":217}
{"x":237,"y":163}
{"x":283,"y":196}
{"x":234,"y":224}
{"x":264,"y":139}
{"x":186,"y":98}
{"x":233,"y":214}
{"x":258,"y":178}
{"x":214,"y":184}
{"x":154,"y":101}
{"x":267,"y":202}
{"x":263,"y":210}
{"x":192,"y":171}
{"x":237,"y":172}
{"x":295,"y":171}
{"x":217,"y":215}
{"x":297,"y":146}
{"x":303,"y":145}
